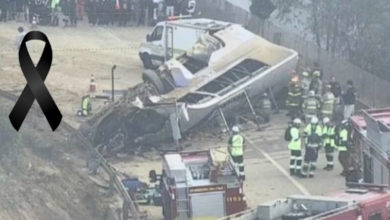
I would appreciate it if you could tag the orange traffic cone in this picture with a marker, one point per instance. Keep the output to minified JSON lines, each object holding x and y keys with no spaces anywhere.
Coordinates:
{"x":92,"y":85}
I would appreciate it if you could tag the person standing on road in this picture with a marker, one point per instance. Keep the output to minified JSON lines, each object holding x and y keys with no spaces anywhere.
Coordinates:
{"x":313,"y":133}
{"x":170,"y":8}
{"x":293,"y":135}
{"x":86,"y":106}
{"x":328,"y":102}
{"x":265,"y":107}
{"x":294,"y":98}
{"x":310,"y":106}
{"x":4,"y":10}
{"x":349,"y":98}
{"x":335,"y":88}
{"x":316,"y":83}
{"x":236,"y":150}
{"x":328,"y":135}
{"x":341,"y":140}
{"x":19,"y":38}
{"x":305,"y":83}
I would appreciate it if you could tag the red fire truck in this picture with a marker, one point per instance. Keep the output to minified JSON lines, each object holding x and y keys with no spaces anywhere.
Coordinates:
{"x":200,"y":185}
{"x":370,"y":200}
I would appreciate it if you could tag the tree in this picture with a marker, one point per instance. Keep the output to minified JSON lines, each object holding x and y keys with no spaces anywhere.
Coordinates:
{"x":262,"y":8}
{"x":358,"y":29}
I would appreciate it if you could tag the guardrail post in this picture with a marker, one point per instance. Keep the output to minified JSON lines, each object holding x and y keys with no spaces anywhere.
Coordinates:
{"x":125,"y":210}
{"x":111,"y":185}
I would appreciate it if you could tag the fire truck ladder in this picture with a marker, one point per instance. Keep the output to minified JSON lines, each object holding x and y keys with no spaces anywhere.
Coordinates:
{"x":182,"y":203}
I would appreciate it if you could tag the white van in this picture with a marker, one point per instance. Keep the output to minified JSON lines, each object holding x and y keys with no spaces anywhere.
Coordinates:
{"x":172,"y":38}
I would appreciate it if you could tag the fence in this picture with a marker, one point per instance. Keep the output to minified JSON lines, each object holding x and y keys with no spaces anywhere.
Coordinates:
{"x":372,"y":90}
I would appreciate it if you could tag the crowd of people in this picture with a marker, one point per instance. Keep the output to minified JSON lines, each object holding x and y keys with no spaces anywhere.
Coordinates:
{"x":319,"y":112}
{"x":98,"y":12}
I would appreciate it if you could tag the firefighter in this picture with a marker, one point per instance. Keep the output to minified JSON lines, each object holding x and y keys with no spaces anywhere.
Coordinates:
{"x":294,"y":98}
{"x":328,"y":134}
{"x":236,"y":149}
{"x":305,"y":83}
{"x":265,"y":107}
{"x":86,"y":107}
{"x":310,"y":106}
{"x":328,"y":102}
{"x":341,"y":140}
{"x":295,"y":147}
{"x":313,"y":133}
{"x":316,"y":83}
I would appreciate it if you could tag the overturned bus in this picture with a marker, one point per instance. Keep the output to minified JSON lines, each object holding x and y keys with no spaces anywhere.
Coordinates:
{"x":227,"y":66}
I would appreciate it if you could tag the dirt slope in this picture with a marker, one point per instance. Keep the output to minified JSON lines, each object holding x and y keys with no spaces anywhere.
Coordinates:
{"x":43,"y":174}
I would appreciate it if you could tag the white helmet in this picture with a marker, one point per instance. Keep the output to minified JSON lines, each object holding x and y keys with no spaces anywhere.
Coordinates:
{"x":326,"y":120}
{"x":314,"y":120}
{"x":297,"y":121}
{"x":235,"y":129}
{"x":311,"y":93}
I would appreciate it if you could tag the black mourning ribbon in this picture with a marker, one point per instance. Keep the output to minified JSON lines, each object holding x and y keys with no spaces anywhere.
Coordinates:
{"x":35,"y":88}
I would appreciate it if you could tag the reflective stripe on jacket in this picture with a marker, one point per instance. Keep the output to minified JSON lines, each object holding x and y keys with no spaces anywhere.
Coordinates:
{"x":327,"y":103}
{"x":318,"y":130}
{"x":266,"y":104}
{"x":329,"y":133}
{"x":311,"y":105}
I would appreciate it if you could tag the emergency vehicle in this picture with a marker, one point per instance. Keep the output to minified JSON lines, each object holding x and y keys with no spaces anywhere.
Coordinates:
{"x":370,"y":200}
{"x":200,"y":185}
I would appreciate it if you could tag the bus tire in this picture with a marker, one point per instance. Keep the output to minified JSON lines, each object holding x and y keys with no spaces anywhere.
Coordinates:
{"x":150,"y":76}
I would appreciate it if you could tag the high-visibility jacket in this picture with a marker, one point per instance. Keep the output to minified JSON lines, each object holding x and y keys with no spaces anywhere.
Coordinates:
{"x":311,"y":106}
{"x":295,"y":143}
{"x":342,"y":139}
{"x":55,"y":3}
{"x":85,"y":103}
{"x":237,"y":143}
{"x":318,"y":130}
{"x":309,"y":130}
{"x":327,"y":103}
{"x":328,"y":132}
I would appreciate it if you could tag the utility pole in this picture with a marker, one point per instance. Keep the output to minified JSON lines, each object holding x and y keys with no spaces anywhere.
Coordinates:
{"x":112,"y":81}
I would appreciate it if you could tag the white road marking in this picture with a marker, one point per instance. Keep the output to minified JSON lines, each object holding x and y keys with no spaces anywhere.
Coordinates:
{"x":280,"y":168}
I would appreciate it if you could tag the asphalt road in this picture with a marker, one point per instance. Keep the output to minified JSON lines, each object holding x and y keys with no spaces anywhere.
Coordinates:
{"x":267,"y":167}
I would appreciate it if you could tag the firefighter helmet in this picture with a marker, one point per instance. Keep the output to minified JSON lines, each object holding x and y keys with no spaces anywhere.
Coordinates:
{"x":326,"y":120}
{"x":317,"y":73}
{"x":297,"y":121}
{"x":235,"y":129}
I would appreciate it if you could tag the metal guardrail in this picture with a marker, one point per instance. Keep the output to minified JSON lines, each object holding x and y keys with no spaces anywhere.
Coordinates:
{"x":129,"y":207}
